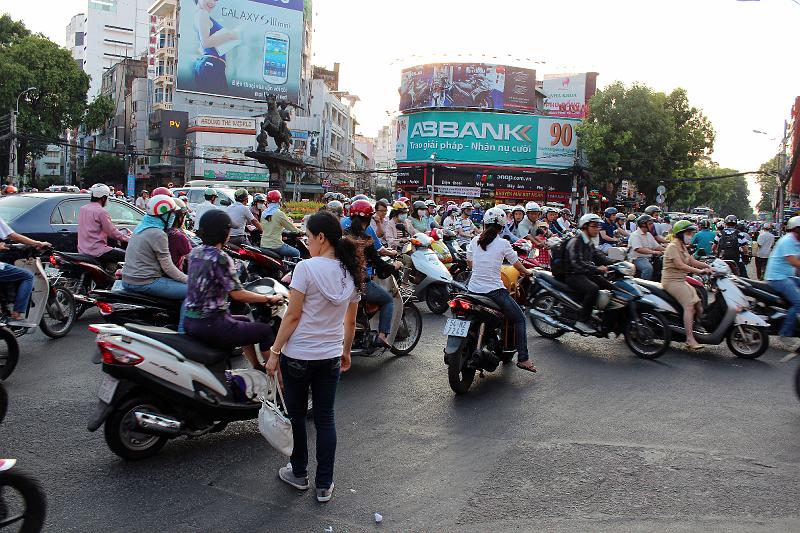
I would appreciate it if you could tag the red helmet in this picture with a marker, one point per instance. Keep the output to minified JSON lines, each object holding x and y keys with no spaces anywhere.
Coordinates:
{"x":118,"y":193}
{"x":182,"y":193}
{"x":274,"y":197}
{"x":10,"y":189}
{"x":403,"y":199}
{"x":161,"y":190}
{"x":361,"y":208}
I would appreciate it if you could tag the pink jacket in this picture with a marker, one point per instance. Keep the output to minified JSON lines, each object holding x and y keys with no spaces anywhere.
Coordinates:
{"x":94,"y":229}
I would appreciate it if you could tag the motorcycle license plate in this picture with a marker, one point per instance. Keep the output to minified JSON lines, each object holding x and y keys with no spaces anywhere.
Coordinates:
{"x":456,"y":327}
{"x":107,"y":389}
{"x":51,"y":271}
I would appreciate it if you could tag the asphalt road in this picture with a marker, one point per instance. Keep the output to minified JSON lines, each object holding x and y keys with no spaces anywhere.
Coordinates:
{"x":598,"y":440}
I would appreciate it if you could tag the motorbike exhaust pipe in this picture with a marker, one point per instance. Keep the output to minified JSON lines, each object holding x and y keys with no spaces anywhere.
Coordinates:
{"x":157,"y":424}
{"x":534,"y":313}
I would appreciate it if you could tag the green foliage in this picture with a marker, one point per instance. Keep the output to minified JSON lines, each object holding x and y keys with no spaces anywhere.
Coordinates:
{"x":34,"y":61}
{"x":383,"y":192}
{"x":99,"y":112}
{"x":637,"y":133}
{"x":104,"y":168}
{"x":725,"y":196}
{"x":768,"y":183}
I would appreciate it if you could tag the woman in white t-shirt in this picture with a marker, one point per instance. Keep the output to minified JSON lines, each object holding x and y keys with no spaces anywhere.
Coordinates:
{"x":485,"y":256}
{"x":313,"y":344}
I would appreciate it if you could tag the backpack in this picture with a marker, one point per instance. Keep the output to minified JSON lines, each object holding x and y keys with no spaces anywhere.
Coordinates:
{"x":558,"y":259}
{"x":729,"y":245}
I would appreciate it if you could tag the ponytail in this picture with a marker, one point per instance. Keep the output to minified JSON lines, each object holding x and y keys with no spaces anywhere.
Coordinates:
{"x":345,"y":250}
{"x":489,"y":234}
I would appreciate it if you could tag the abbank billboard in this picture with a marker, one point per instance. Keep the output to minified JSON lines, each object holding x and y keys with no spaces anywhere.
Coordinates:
{"x":241,"y":48}
{"x":502,"y":139}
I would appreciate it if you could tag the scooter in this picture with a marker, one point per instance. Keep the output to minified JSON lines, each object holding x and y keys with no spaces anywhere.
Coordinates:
{"x":81,"y":274}
{"x":628,"y":310}
{"x":727,"y":317}
{"x":768,"y":303}
{"x":432,"y":282}
{"x":159,"y":384}
{"x":453,"y":258}
{"x":22,"y":501}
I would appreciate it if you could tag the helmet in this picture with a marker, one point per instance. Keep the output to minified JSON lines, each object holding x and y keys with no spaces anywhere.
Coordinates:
{"x":611,"y":211}
{"x":683,"y":225}
{"x":99,"y":190}
{"x":335,"y":206}
{"x":240,"y":194}
{"x":565,"y":212}
{"x":588,"y":218}
{"x":507,"y":208}
{"x":399,"y":205}
{"x":650,"y":209}
{"x":793,"y":223}
{"x":731,"y":219}
{"x":705,"y":224}
{"x":519,"y":208}
{"x":644,"y":219}
{"x":429,"y":203}
{"x":274,"y":197}
{"x":452,"y":208}
{"x":404,"y":199}
{"x":119,"y":193}
{"x":258,"y":197}
{"x":631,"y":217}
{"x":144,"y":191}
{"x":466,"y":205}
{"x":161,"y":204}
{"x":210,"y":192}
{"x":495,"y":215}
{"x":10,"y":189}
{"x":362,"y":208}
{"x":162,"y":190}
{"x":419,"y":204}
{"x":181,"y":205}
{"x":532,"y":207}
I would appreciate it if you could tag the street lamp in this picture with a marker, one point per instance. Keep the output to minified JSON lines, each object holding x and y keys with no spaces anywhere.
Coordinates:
{"x":29,"y":89}
{"x":12,"y":152}
{"x":433,"y":177}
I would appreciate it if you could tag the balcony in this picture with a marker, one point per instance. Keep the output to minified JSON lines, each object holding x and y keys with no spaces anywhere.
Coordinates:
{"x":165,"y":24}
{"x":166,"y":51}
{"x":166,"y":106}
{"x":163,"y":8}
{"x":164,"y":79}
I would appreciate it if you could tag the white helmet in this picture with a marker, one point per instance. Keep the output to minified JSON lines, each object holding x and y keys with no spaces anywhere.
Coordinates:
{"x":589,"y":217}
{"x":466,"y":205}
{"x":532,"y":206}
{"x":495,"y":215}
{"x":518,"y":207}
{"x":793,"y":223}
{"x":98,"y":190}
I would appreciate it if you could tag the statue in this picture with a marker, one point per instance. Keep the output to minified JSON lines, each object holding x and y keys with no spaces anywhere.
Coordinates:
{"x":276,"y":125}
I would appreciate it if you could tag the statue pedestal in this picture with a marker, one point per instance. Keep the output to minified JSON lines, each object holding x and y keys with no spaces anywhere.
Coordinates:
{"x":278,"y":164}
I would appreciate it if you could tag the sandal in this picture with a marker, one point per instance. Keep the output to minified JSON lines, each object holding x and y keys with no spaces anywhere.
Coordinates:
{"x":693,"y":347}
{"x":529,"y":366}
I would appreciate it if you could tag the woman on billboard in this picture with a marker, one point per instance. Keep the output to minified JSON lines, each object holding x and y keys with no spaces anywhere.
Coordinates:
{"x":216,"y":42}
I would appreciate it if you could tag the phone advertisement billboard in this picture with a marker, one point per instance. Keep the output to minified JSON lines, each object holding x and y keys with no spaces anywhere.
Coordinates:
{"x":492,"y":138}
{"x":241,"y":48}
{"x":460,"y":85}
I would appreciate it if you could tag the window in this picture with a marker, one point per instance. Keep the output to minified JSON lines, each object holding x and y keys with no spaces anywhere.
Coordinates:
{"x":159,"y":95}
{"x":69,"y":211}
{"x":196,"y":196}
{"x":123,"y":214}
{"x":52,"y":166}
{"x":78,"y":38}
{"x":12,"y":207}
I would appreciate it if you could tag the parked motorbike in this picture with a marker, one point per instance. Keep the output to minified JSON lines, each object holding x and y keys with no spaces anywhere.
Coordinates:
{"x":768,"y":303}
{"x":159,"y":384}
{"x":433,"y":283}
{"x":22,"y":501}
{"x":726,"y":317}
{"x":627,"y":311}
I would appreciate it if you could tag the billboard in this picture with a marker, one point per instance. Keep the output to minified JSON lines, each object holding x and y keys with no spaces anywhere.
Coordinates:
{"x":479,"y":85}
{"x":567,"y":95}
{"x":492,"y":138}
{"x":241,"y":48}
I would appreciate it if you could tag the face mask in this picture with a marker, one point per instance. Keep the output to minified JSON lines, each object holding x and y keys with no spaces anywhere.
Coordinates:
{"x":422,"y":212}
{"x":259,"y":206}
{"x":687,"y":239}
{"x":402,"y":217}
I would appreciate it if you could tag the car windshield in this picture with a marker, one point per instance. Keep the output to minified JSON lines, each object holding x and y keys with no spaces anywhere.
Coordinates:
{"x":11,"y":207}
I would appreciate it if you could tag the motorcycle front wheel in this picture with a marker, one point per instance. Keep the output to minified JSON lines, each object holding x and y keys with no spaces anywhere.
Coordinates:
{"x":59,"y":315}
{"x":22,"y":502}
{"x":9,"y":352}
{"x":409,"y":331}
{"x":647,"y":334}
{"x":437,"y":299}
{"x":747,"y":342}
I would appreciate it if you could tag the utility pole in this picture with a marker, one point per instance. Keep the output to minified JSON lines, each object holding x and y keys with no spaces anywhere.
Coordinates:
{"x":12,"y":148}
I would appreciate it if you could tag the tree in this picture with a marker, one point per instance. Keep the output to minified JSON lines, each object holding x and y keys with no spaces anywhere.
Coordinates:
{"x":768,"y":183}
{"x":99,"y":112}
{"x":59,"y":103}
{"x":104,"y":168}
{"x":726,"y":196}
{"x":637,"y":133}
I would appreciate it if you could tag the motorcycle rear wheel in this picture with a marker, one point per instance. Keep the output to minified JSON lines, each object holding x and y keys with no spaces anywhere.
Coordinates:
{"x":9,"y":352}
{"x":121,"y":437}
{"x":750,"y":343}
{"x":27,"y":504}
{"x":59,"y":315}
{"x":545,"y":303}
{"x":460,"y":377}
{"x":643,"y":335}
{"x":410,"y":329}
{"x":437,"y":299}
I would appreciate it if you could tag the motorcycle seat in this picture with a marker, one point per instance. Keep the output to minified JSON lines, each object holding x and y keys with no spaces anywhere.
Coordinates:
{"x":764,"y":286}
{"x":483,"y":300}
{"x":80,"y":257}
{"x":560,"y":285}
{"x":658,"y":289}
{"x":187,"y":346}
{"x":135,"y":298}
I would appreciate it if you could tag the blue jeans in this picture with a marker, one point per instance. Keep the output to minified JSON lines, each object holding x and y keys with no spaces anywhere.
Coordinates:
{"x":286,"y":251}
{"x":375,"y":294}
{"x":164,"y":288}
{"x":790,"y":290}
{"x":12,"y":274}
{"x":321,"y":377}
{"x":644,"y":267}
{"x":513,"y":314}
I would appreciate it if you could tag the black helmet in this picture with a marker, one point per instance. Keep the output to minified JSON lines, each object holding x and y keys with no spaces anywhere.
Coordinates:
{"x":731,"y":220}
{"x":644,"y":219}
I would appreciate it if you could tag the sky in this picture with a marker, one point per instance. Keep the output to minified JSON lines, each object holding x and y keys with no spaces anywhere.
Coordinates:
{"x":733,"y":57}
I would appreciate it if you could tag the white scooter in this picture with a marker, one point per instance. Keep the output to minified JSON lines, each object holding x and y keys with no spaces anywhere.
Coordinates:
{"x":159,"y":384}
{"x":726,"y":317}
{"x":433,"y":283}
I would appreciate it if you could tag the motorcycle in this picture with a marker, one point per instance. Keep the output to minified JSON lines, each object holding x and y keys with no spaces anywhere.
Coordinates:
{"x":768,"y":303}
{"x":81,"y":274}
{"x":727,"y":317}
{"x":22,"y":501}
{"x":432,"y":282}
{"x":628,"y":311}
{"x":479,"y":337}
{"x":159,"y":384}
{"x":453,"y":259}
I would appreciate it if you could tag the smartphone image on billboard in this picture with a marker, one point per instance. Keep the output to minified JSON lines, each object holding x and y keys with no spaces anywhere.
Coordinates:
{"x":276,"y":57}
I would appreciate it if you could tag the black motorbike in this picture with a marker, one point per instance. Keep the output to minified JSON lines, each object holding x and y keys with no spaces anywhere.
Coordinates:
{"x":769,"y":304}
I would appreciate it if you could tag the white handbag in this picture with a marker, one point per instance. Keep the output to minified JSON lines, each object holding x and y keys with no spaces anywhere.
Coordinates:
{"x":273,"y":422}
